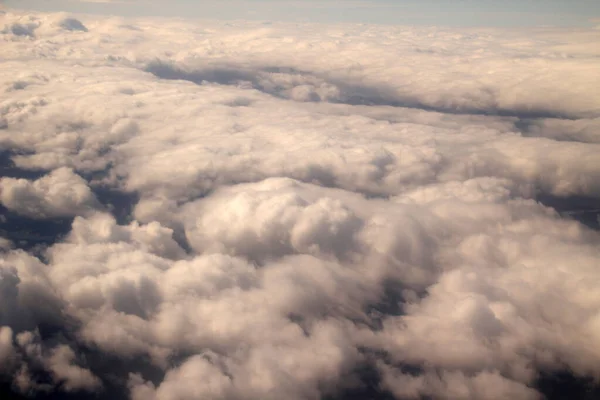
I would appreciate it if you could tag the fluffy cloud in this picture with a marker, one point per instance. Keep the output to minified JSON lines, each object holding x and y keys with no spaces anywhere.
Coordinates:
{"x":298,"y":211}
{"x":59,"y":194}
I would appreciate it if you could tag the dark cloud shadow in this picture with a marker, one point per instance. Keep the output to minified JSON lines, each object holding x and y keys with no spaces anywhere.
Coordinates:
{"x":29,"y":233}
{"x":72,"y":24}
{"x":113,"y":371}
{"x":351,"y":93}
{"x":532,"y":127}
{"x":364,"y":383}
{"x":8,"y":169}
{"x":564,"y":385}
{"x":583,"y":209}
{"x":119,"y":203}
{"x":23,"y":29}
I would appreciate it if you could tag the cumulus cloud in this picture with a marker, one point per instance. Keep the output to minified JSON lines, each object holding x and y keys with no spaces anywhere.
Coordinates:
{"x":59,"y":194}
{"x":296,"y":211}
{"x":29,"y":359}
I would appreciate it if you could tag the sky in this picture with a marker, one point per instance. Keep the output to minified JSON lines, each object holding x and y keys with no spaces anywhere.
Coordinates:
{"x":403,"y":12}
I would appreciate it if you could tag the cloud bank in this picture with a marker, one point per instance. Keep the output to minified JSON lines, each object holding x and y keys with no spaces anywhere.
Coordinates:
{"x":196,"y":209}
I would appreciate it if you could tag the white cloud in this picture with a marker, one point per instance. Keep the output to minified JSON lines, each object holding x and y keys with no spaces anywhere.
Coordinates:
{"x":303,"y":202}
{"x":71,"y":377}
{"x":59,"y":194}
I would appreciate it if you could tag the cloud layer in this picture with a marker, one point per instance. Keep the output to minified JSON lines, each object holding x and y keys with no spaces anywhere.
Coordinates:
{"x":268,"y":211}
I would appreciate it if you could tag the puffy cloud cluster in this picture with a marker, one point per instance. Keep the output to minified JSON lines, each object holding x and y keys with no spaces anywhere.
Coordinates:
{"x":61,"y":193}
{"x":310,"y":206}
{"x":29,"y":304}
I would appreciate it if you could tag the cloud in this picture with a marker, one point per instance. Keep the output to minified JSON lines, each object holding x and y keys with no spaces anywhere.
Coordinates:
{"x":59,"y":194}
{"x":72,"y":24}
{"x":21,"y":30}
{"x":6,"y":348}
{"x":72,"y":377}
{"x":249,"y":211}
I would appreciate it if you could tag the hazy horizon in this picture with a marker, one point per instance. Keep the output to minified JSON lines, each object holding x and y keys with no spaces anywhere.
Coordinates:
{"x":579,"y":13}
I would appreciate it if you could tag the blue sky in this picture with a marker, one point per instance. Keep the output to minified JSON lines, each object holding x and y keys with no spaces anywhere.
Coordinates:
{"x":412,"y":12}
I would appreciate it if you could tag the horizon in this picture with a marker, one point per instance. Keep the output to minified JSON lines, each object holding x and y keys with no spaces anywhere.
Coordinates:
{"x":512,"y":13}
